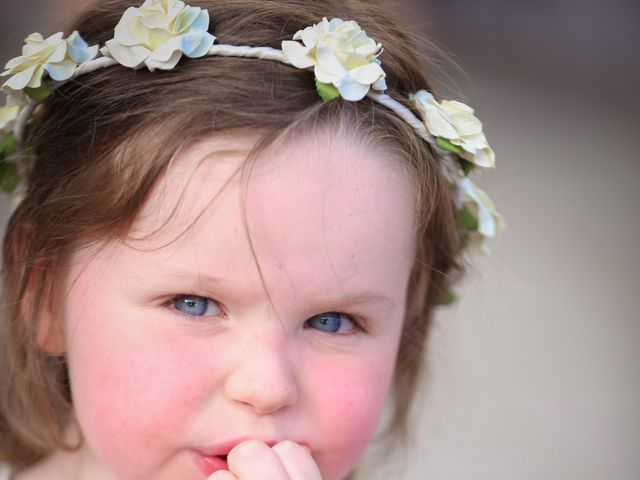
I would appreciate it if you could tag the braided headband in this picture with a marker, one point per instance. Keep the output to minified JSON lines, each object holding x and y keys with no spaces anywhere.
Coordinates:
{"x":344,"y":60}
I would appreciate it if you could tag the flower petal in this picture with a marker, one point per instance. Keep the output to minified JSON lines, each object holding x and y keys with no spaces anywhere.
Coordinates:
{"x":189,"y":41}
{"x":488,"y":219}
{"x":21,"y":79}
{"x":485,"y":157}
{"x":59,"y":53}
{"x":165,"y":51}
{"x":329,"y":62}
{"x":76,"y":40}
{"x":8,"y":115}
{"x":159,"y":32}
{"x":202,"y":49}
{"x":167,"y":64}
{"x":132,"y":57}
{"x":367,"y":74}
{"x":465,"y":123}
{"x":308,"y":36}
{"x":380,"y":85}
{"x":335,"y":23}
{"x":351,"y":90}
{"x":438,"y":125}
{"x":129,"y":31}
{"x":60,"y":70}
{"x":155,"y":20}
{"x":342,"y":55}
{"x":201,"y":22}
{"x":296,"y":54}
{"x":185,"y":20}
{"x":36,"y":78}
{"x":325,"y":77}
{"x":79,"y":50}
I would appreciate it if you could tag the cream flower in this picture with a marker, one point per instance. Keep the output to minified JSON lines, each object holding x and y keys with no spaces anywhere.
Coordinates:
{"x":54,"y":55}
{"x":158,"y":33}
{"x":342,"y":55}
{"x":478,"y":204}
{"x":456,"y":122}
{"x":10,"y":112}
{"x":8,"y":116}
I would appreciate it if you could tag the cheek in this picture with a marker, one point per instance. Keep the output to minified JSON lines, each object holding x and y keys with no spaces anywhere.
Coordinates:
{"x":131,"y":390}
{"x":348,"y":400}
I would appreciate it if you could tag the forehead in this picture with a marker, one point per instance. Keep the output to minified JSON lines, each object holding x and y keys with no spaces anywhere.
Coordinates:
{"x":314,"y":203}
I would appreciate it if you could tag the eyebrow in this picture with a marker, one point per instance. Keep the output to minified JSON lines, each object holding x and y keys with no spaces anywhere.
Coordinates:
{"x":194,"y":279}
{"x":357,"y":299}
{"x":362,"y":302}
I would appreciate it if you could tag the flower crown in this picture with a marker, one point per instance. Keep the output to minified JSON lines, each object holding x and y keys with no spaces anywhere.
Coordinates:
{"x":344,"y":60}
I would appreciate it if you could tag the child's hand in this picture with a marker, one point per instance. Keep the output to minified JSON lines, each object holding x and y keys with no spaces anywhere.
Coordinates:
{"x":254,"y":460}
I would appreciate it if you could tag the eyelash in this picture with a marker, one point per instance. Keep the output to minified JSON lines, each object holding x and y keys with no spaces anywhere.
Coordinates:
{"x":359,"y":324}
{"x":170,"y":304}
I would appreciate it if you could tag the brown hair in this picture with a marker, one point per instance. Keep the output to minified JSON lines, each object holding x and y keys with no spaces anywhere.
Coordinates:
{"x":99,"y":144}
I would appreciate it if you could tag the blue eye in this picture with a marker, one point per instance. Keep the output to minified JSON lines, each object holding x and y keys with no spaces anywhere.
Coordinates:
{"x":332,"y":322}
{"x":196,"y":306}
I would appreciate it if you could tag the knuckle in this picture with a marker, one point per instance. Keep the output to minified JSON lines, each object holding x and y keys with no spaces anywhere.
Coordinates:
{"x":286,"y":446}
{"x":247,"y":449}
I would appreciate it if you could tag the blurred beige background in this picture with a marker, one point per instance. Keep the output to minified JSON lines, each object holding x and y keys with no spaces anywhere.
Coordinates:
{"x":535,"y":372}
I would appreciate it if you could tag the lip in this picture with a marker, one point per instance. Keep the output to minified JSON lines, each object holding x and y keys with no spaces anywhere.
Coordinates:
{"x":212,"y":458}
{"x":209,"y":464}
{"x":222,"y":449}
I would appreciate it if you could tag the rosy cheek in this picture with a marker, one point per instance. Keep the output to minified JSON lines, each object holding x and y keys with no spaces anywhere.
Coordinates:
{"x":130,"y":390}
{"x":348,"y":402}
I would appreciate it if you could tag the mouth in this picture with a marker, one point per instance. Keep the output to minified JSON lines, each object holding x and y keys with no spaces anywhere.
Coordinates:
{"x":211,"y":459}
{"x":209,"y":464}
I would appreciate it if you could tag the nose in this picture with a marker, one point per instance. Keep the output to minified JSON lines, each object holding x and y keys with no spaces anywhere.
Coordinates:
{"x":263,"y":377}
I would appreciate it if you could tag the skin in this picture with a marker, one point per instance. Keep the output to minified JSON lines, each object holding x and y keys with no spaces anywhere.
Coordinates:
{"x":331,"y":223}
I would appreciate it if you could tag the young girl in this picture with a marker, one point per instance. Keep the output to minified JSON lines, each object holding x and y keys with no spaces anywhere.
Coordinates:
{"x":237,"y":221}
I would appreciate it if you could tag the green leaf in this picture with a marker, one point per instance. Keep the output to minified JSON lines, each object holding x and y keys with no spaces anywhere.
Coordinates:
{"x":467,"y":220}
{"x":466,"y":166}
{"x":37,"y":94}
{"x":326,"y":91}
{"x":446,"y":145}
{"x":449,"y":299}
{"x":7,"y":146}
{"x":9,"y":176}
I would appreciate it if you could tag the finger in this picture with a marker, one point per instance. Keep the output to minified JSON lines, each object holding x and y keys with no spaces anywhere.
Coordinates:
{"x":222,"y":475}
{"x":253,"y":460}
{"x":297,"y":461}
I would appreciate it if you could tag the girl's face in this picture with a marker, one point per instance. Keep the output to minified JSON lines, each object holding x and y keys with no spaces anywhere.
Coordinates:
{"x":272,"y":316}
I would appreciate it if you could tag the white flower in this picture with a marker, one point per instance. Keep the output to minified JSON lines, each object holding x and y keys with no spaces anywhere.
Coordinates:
{"x":456,"y":122}
{"x":8,"y":116}
{"x":478,"y":203}
{"x":10,"y":112}
{"x":158,"y":33}
{"x":54,"y":55}
{"x":342,"y":55}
